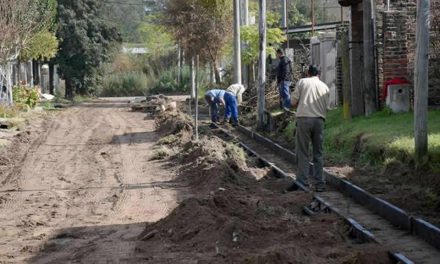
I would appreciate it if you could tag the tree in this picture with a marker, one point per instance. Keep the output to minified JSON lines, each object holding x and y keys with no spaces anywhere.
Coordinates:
{"x":250,"y":34}
{"x":86,"y":43}
{"x":201,"y":26}
{"x":126,"y":16}
{"x":42,"y":46}
{"x":20,"y":21}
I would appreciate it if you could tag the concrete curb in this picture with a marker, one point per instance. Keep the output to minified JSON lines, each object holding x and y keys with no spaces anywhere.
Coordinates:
{"x":393,"y":214}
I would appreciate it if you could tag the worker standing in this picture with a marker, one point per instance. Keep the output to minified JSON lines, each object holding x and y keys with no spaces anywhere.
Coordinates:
{"x":311,"y":97}
{"x":233,"y":97}
{"x":284,"y":79}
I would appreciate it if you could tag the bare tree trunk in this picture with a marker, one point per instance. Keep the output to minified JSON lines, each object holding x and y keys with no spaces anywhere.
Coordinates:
{"x":51,"y":78}
{"x":69,"y":89}
{"x":196,"y":118}
{"x":18,"y":72}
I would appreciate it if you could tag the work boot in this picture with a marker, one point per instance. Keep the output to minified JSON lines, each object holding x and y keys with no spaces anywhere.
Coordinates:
{"x":293,"y":187}
{"x":212,"y":125}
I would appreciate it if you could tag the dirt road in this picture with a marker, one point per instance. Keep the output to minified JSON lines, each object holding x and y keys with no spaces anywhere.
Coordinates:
{"x":82,"y":189}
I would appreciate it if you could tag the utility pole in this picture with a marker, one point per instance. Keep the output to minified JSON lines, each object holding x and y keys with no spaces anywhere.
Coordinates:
{"x":284,"y":22}
{"x":262,"y":65}
{"x":284,"y":14}
{"x":369,"y":66}
{"x":421,"y":83}
{"x":237,"y":46}
{"x":312,"y":14}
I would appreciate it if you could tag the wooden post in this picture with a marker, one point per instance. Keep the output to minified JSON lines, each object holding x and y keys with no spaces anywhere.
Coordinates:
{"x":193,"y":78}
{"x":356,"y":61}
{"x":237,"y":44}
{"x":196,"y":119}
{"x":369,"y":65}
{"x":345,"y":57}
{"x":421,"y":83}
{"x":262,"y":66}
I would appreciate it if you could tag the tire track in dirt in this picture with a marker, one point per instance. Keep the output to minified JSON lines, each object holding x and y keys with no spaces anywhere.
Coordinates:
{"x":74,"y":197}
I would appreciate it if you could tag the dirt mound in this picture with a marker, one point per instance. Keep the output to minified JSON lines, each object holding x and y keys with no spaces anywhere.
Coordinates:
{"x":234,"y":218}
{"x":175,"y":127}
{"x":152,"y":104}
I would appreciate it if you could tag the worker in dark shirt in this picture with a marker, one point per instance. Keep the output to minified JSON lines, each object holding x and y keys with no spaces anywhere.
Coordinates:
{"x":284,"y":79}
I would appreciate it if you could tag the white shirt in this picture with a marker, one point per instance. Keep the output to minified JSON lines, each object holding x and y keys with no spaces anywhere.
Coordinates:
{"x":237,"y":90}
{"x":312,"y":96}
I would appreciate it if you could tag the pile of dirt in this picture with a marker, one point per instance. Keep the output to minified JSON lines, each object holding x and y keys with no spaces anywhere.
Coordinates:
{"x":235,"y":218}
{"x":175,"y":127}
{"x":153,"y":104}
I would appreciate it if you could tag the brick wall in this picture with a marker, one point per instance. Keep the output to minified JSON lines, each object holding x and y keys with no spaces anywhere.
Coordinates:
{"x":397,"y":44}
{"x":395,"y":48}
{"x":434,"y":62}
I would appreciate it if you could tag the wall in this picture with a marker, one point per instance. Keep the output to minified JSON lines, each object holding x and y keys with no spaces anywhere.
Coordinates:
{"x":398,"y":42}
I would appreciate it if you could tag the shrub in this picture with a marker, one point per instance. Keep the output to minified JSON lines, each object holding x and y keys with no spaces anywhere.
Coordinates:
{"x":167,"y":82}
{"x":25,"y":97}
{"x":125,"y":84}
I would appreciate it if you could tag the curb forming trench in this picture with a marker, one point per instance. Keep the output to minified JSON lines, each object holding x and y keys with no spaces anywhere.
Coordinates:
{"x":371,"y":219}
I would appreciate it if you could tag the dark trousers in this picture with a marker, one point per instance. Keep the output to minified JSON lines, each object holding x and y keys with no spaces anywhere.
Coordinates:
{"x":310,"y":130}
{"x":214,"y":111}
{"x":231,"y":107}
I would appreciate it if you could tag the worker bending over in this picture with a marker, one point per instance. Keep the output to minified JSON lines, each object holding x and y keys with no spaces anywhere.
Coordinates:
{"x":215,"y":98}
{"x":233,"y":97}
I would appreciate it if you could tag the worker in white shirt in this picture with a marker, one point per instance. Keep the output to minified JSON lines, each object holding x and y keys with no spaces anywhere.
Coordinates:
{"x":311,"y":98}
{"x":233,"y":97}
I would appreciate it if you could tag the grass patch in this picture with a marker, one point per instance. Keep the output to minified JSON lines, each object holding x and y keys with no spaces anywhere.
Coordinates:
{"x":161,"y":153}
{"x":378,"y":139}
{"x":8,"y":111}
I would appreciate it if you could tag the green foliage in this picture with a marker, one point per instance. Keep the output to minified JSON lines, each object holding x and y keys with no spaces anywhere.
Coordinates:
{"x":25,"y":97}
{"x":125,"y":84}
{"x":250,"y":35}
{"x":156,"y":38}
{"x":87,"y":41}
{"x":43,"y":46}
{"x":167,"y":83}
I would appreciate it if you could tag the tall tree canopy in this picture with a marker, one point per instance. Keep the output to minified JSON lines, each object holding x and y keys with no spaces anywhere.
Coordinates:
{"x":20,"y":21}
{"x":200,"y":26}
{"x":86,"y":43}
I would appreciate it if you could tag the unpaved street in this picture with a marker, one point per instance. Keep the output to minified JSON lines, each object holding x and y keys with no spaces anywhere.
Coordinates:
{"x":83,"y":188}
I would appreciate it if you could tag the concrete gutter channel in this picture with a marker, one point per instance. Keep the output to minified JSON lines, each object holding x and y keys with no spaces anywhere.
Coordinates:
{"x":412,"y":240}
